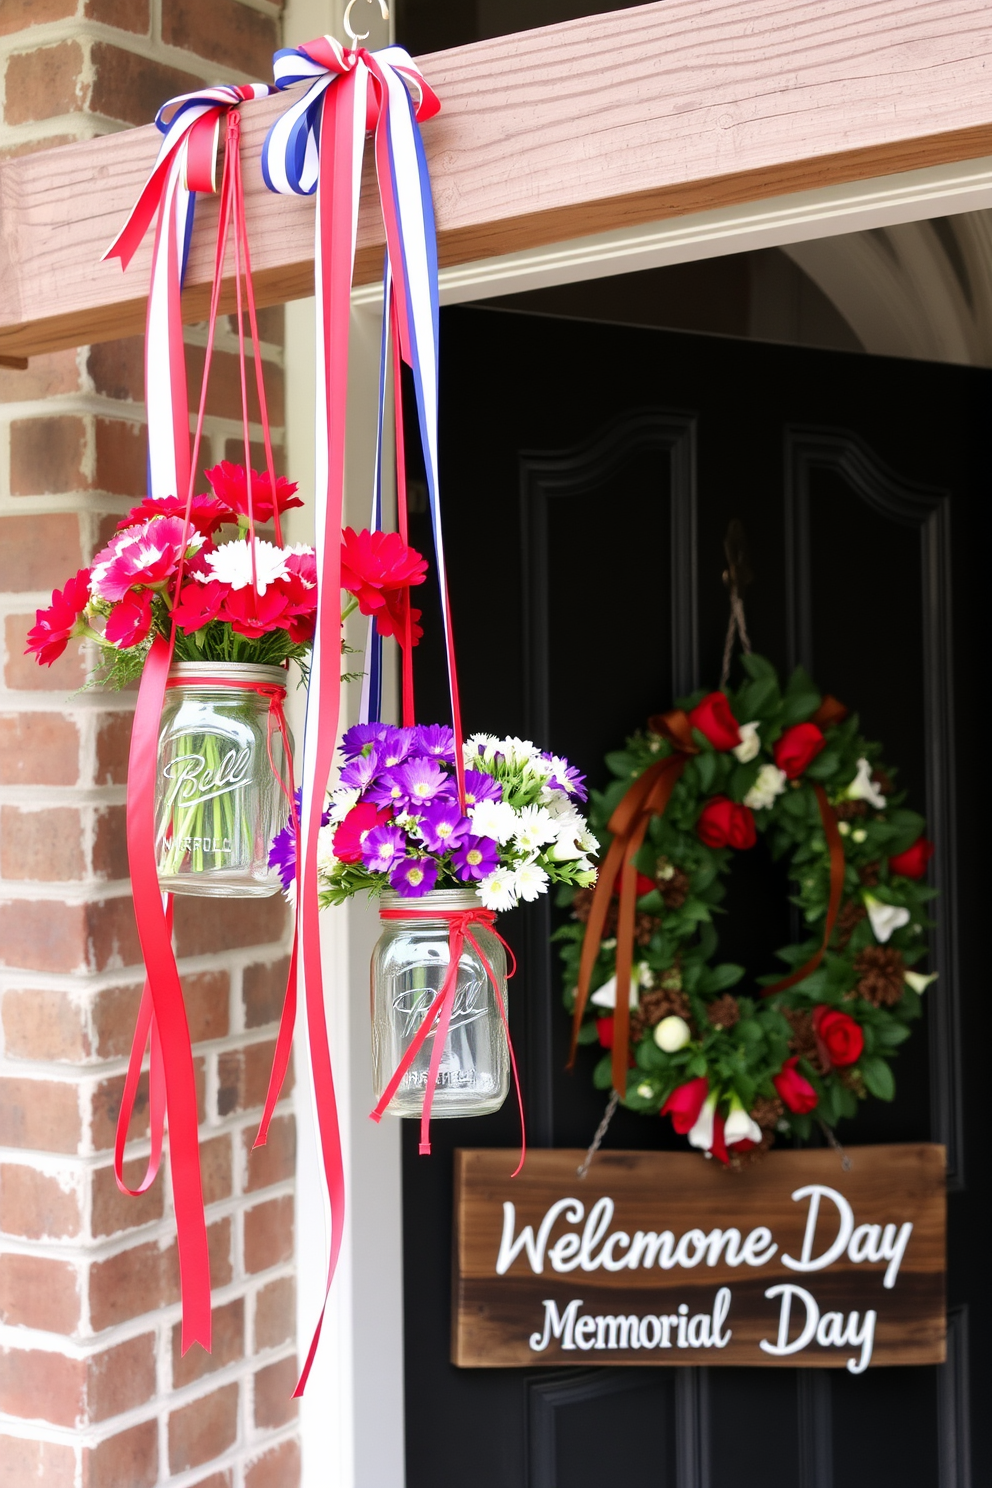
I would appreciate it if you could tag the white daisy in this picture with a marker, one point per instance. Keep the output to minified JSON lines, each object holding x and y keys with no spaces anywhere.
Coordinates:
{"x":529,"y":882}
{"x":534,"y":827}
{"x":750,"y":743}
{"x":493,"y":819}
{"x":497,"y":890}
{"x":517,"y":751}
{"x":325,"y":847}
{"x":231,"y":563}
{"x":342,"y":800}
{"x":769,"y":784}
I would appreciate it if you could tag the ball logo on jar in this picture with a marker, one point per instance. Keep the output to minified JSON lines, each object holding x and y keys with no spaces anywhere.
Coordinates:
{"x":193,"y":780}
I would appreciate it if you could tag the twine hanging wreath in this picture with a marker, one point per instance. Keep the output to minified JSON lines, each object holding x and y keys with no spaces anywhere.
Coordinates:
{"x":691,"y":792}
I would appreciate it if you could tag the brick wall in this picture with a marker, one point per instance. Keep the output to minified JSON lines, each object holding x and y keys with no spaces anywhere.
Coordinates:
{"x":93,"y":1391}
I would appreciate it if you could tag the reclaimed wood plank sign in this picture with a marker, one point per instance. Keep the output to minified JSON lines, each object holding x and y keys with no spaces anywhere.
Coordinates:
{"x":661,"y":1258}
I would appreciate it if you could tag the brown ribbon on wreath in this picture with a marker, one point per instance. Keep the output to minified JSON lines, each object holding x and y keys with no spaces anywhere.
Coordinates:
{"x":647,"y":797}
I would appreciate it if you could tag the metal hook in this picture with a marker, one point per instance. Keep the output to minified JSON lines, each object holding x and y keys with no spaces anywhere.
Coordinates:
{"x":346,"y":22}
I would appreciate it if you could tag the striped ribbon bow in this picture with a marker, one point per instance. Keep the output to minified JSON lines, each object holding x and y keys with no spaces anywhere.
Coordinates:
{"x":316,"y":148}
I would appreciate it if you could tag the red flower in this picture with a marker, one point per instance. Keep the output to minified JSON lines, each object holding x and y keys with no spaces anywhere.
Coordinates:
{"x":206,"y":513}
{"x":724,"y":823}
{"x":131,"y":620}
{"x":685,"y":1103}
{"x":713,"y":718}
{"x":199,"y":604}
{"x":253,"y":615}
{"x":718,"y":1146}
{"x":230,"y":485}
{"x":373,"y":564}
{"x":838,"y":1037}
{"x":798,"y":748}
{"x":353,"y":831}
{"x":140,"y":557}
{"x":913,"y":862}
{"x":391,"y":619}
{"x":644,"y":885}
{"x":797,"y":1093}
{"x":56,"y":626}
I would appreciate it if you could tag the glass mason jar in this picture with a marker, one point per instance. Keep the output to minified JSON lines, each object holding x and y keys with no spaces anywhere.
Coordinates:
{"x":409,"y":965}
{"x":218,"y":803}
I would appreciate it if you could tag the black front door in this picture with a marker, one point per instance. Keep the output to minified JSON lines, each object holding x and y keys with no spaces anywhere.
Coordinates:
{"x":589,"y":473}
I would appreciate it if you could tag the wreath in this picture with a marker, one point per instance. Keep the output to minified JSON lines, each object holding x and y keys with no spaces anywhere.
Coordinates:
{"x":690,"y":792}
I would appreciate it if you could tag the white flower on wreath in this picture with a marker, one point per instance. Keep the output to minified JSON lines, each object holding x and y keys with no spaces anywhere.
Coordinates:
{"x":885,"y":918}
{"x":497,"y":890}
{"x":862,"y":788}
{"x":231,"y":563}
{"x":917,"y":980}
{"x":750,"y":743}
{"x":739,"y":1126}
{"x":606,"y":995}
{"x":534,"y":827}
{"x":769,"y":784}
{"x":701,"y":1135}
{"x":529,"y":882}
{"x":495,"y":819}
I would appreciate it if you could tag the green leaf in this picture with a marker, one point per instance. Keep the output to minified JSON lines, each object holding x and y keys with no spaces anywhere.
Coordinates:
{"x":824,"y":765}
{"x":719,"y":978}
{"x":878,"y":1077}
{"x":705,"y":767}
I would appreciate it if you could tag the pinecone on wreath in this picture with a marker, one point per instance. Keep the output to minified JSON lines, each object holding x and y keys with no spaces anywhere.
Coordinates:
{"x":803,"y":1040}
{"x":582,"y":904}
{"x":673,"y":884}
{"x":724,"y":1012}
{"x":848,"y":810}
{"x":767,"y":1111}
{"x":880,"y":972}
{"x":663,"y":1003}
{"x":851,"y":915}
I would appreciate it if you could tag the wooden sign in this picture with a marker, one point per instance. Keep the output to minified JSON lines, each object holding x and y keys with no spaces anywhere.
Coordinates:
{"x":664,"y":1258}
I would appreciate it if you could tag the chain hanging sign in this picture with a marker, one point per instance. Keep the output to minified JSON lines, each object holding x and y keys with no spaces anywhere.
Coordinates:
{"x":658,"y":1258}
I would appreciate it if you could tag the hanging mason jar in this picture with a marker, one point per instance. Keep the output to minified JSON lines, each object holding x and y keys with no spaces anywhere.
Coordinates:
{"x":409,"y":966}
{"x":219,"y":801}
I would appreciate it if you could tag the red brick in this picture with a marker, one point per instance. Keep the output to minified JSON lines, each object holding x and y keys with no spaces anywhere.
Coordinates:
{"x":243,"y":1077}
{"x":228,"y":1346}
{"x":271,"y":325}
{"x":38,"y":749}
{"x":277,"y":1469}
{"x":268,"y":1235}
{"x":40,"y":1114}
{"x":35,"y":1205}
{"x":118,"y":369}
{"x":131,"y":1283}
{"x":47,"y":454}
{"x":113,"y":1211}
{"x":106,"y":1108}
{"x":216,"y":1169}
{"x":36,"y":1384}
{"x":43,"y":935}
{"x":27,"y":1463}
{"x":121,"y":1378}
{"x":203,"y":1430}
{"x":45,"y":846}
{"x":124,"y":15}
{"x":275,"y":1314}
{"x":44,"y":83}
{"x":129,"y":1459}
{"x":121,"y":457}
{"x":234,"y":449}
{"x":274,"y":1162}
{"x":220,"y":1243}
{"x":215,"y":1480}
{"x":131,"y":88}
{"x":226,"y":32}
{"x":46,"y":375}
{"x":208,"y":1002}
{"x":206,"y":925}
{"x":110,"y":843}
{"x":37,"y":1292}
{"x":224,"y":395}
{"x":113,"y":741}
{"x":44,"y":1025}
{"x":18,"y":15}
{"x":115,"y":1011}
{"x":23,"y":673}
{"x":38,"y":552}
{"x":263,"y":992}
{"x":274,"y":1386}
{"x":112,"y":934}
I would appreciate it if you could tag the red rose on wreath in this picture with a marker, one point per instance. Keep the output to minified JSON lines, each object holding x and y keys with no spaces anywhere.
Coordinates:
{"x":797,"y":1093}
{"x":913,"y":862}
{"x":685,"y":1103}
{"x":839,"y":1038}
{"x":798,"y":748}
{"x":713,"y":718}
{"x":724,"y":823}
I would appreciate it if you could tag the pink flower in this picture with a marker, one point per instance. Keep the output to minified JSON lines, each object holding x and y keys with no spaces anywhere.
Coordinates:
{"x":141,"y":557}
{"x":230,"y":485}
{"x":131,"y":620}
{"x":57,"y":625}
{"x":206,"y":512}
{"x":349,"y":839}
{"x":254,"y":615}
{"x":199,"y":604}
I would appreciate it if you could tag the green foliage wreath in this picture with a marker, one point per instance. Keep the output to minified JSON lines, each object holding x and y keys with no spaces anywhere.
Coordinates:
{"x":733,"y":1069}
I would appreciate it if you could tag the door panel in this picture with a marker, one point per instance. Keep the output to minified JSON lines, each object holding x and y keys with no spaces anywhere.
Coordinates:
{"x":588,"y":476}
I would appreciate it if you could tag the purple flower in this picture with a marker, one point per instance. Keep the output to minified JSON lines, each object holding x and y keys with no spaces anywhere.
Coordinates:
{"x":358,"y":739}
{"x":382,"y":847}
{"x":481,"y":787}
{"x":422,"y":780}
{"x":436,"y":740}
{"x":566,"y":777}
{"x":413,"y":877}
{"x":362,"y":770}
{"x":443,"y":827}
{"x":476,"y":857}
{"x":396,"y":745}
{"x":387,"y":790}
{"x":282,"y":853}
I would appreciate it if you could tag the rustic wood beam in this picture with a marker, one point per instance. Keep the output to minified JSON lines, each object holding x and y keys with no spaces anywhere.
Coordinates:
{"x":568,"y":130}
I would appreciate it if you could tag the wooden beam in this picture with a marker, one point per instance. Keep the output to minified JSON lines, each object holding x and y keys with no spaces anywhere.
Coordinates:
{"x":556,"y":133}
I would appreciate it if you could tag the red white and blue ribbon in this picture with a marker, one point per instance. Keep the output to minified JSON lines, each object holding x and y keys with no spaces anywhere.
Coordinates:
{"x":187,"y":163}
{"x":316,"y":148}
